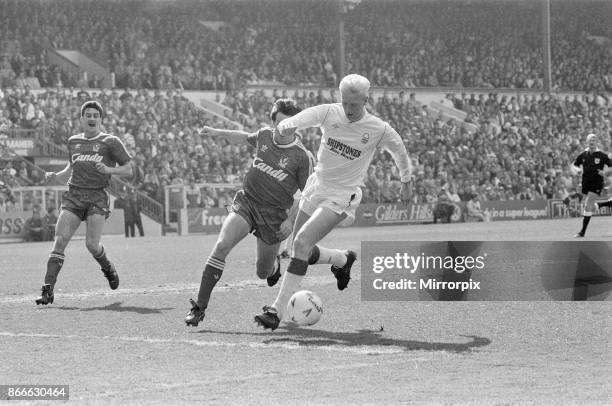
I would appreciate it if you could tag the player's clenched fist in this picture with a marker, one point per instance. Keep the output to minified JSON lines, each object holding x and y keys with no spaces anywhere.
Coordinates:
{"x":100,"y":167}
{"x":208,"y":131}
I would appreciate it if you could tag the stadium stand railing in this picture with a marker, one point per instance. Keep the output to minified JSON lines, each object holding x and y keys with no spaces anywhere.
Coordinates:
{"x":51,"y":149}
{"x":149,"y":206}
{"x":7,"y":153}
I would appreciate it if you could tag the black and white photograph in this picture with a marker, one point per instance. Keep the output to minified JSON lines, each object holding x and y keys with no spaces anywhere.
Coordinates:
{"x":306,"y":202}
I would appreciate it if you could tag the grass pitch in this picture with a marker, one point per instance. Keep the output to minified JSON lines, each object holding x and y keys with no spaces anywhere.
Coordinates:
{"x":131,"y":346}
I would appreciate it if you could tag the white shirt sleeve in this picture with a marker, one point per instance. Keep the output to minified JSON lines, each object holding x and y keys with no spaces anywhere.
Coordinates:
{"x":310,"y":117}
{"x":392,"y":142}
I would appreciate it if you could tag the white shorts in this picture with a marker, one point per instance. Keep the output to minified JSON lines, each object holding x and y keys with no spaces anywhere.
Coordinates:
{"x":339,"y":200}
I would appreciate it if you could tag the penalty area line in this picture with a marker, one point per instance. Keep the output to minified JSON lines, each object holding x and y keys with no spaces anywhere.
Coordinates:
{"x":248,"y":284}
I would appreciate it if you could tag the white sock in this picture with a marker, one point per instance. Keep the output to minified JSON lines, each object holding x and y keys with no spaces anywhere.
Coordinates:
{"x":289,"y":285}
{"x":331,"y":256}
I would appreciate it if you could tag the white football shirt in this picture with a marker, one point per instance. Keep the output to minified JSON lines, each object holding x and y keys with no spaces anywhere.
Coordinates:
{"x":347,"y":148}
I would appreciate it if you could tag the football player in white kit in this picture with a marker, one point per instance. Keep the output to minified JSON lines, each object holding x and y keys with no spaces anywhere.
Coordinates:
{"x":350,"y":136}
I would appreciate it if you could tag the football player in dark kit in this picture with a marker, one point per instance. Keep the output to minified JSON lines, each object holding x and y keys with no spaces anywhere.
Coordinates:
{"x":264,"y":206}
{"x":93,"y":157}
{"x":592,"y":161}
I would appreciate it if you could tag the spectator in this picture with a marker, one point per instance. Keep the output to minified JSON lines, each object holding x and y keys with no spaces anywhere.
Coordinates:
{"x":134,"y":206}
{"x":35,"y":227}
{"x":50,"y":220}
{"x":473,"y":210}
{"x":122,"y":202}
{"x":444,"y":209}
{"x":194,"y":195}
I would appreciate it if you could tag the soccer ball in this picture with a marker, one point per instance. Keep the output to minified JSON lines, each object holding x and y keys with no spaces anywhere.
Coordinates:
{"x":304,"y":308}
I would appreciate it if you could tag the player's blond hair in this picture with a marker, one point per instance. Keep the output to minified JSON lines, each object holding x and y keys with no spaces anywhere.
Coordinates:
{"x":355,"y":84}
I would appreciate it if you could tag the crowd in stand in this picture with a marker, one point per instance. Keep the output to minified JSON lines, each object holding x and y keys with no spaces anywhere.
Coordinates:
{"x":221,"y":45}
{"x":158,"y":128}
{"x":521,"y":148}
{"x":517,"y":147}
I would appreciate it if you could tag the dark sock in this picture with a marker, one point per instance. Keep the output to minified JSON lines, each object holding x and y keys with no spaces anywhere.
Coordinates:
{"x":585,"y":223}
{"x":54,"y":264}
{"x":297,"y":267}
{"x":314,"y":255}
{"x":102,"y":260}
{"x":211,"y":275}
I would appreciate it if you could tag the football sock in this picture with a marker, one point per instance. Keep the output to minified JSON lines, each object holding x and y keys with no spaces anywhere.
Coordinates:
{"x":290,"y":283}
{"x":585,"y":222}
{"x":54,"y":264}
{"x":102,"y":259}
{"x":328,"y":256}
{"x":314,"y":255}
{"x":211,"y":275}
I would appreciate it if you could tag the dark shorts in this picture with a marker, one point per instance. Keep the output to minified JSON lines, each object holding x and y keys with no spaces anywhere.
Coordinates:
{"x":264,"y":221}
{"x":592,"y":187}
{"x":85,"y":202}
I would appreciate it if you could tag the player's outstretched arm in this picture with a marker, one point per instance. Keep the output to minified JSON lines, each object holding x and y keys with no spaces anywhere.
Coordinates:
{"x":393,"y":143}
{"x":61,"y":176}
{"x":310,"y":117}
{"x":233,"y":136}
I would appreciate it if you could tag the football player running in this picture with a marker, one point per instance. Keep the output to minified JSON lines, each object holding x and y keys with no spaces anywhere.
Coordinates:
{"x":265,"y":205}
{"x":592,"y":161}
{"x":350,"y":137}
{"x":93,"y":157}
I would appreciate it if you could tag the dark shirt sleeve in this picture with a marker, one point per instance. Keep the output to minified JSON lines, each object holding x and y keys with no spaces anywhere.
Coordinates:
{"x":578,"y":161}
{"x":252,"y":138}
{"x":119,"y":152}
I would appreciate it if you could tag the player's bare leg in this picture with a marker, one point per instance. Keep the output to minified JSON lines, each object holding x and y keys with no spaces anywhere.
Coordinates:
{"x":341,"y":261}
{"x":322,"y":221}
{"x":95,"y":226}
{"x":285,"y":248}
{"x":67,"y":224}
{"x":589,"y":207}
{"x":268,"y":262}
{"x":233,"y":230}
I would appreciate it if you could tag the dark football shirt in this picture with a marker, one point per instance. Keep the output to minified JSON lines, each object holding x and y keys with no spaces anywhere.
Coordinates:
{"x":278,"y":171}
{"x":84,"y":153}
{"x":592,"y":162}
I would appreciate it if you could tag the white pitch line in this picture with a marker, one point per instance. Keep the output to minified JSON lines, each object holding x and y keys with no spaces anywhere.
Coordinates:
{"x":248,"y":284}
{"x":362,"y":349}
{"x":260,"y":377}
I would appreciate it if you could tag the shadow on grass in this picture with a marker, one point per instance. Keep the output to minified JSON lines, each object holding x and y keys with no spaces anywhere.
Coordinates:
{"x":118,"y":307}
{"x":309,"y":337}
